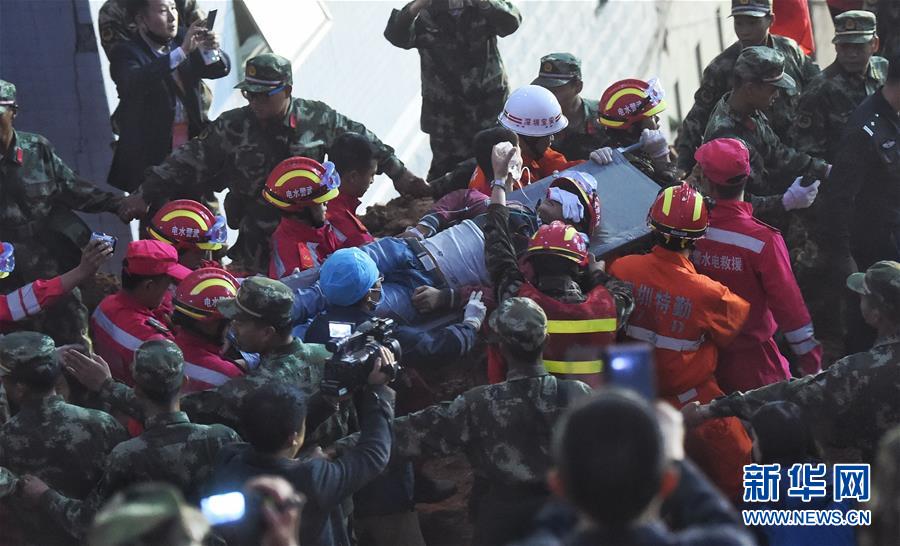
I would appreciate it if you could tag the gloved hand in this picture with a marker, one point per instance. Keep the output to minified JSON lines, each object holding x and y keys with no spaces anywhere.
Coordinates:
{"x":602,"y":156}
{"x":653,"y":143}
{"x":798,"y":197}
{"x":475,"y":311}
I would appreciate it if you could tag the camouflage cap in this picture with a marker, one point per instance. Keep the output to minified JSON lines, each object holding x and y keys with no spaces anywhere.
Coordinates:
{"x":266,"y":72}
{"x":558,"y":69}
{"x":158,"y":366}
{"x":144,"y":509}
{"x":21,"y":350}
{"x":753,"y":8}
{"x":766,"y":65}
{"x":882,"y":280}
{"x":854,"y":27}
{"x":261,"y":298}
{"x":7,"y":95}
{"x":520,"y":322}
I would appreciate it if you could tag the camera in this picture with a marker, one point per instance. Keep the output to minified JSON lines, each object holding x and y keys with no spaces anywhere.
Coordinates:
{"x":354,"y":356}
{"x":108,"y":239}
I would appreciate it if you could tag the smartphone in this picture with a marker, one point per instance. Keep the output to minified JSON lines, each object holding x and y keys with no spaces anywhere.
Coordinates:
{"x":631,"y":366}
{"x":235,"y":516}
{"x":108,"y":239}
{"x":211,"y":19}
{"x":224,"y":508}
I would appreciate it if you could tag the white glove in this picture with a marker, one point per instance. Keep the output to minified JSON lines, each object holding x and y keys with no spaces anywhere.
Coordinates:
{"x":475,"y":311}
{"x":798,"y":197}
{"x":602,"y":156}
{"x":653,"y":143}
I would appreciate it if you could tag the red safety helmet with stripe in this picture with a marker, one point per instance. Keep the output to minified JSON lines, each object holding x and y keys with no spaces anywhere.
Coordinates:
{"x":627,"y":102}
{"x":197,"y":294}
{"x":558,"y":239}
{"x":679,"y":212}
{"x":584,"y":187}
{"x":185,"y":223}
{"x":7,"y":259}
{"x":299,"y":182}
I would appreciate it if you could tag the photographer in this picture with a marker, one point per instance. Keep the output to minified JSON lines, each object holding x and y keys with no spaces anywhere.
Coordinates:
{"x":274,"y":420}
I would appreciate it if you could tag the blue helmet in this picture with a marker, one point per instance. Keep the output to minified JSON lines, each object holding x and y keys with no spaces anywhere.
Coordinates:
{"x":347,"y":275}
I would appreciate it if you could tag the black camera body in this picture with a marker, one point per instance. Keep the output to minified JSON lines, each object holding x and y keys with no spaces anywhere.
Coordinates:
{"x":354,"y":356}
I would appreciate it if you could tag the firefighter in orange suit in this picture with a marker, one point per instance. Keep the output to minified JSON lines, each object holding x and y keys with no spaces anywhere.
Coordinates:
{"x":299,"y":187}
{"x":688,"y":317}
{"x":580,"y":322}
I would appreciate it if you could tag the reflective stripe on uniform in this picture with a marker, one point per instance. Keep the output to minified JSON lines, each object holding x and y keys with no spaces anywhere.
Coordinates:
{"x":29,"y":299}
{"x":801,"y":349}
{"x":573,"y":366}
{"x":589,"y":326}
{"x":118,"y":335}
{"x":663,"y":342}
{"x":800,"y":334}
{"x":14,"y":301}
{"x":204,"y":375}
{"x":735,"y":239}
{"x":687,"y":396}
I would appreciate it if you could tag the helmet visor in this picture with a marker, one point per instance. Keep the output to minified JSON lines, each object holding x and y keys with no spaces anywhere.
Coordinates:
{"x":218,"y":233}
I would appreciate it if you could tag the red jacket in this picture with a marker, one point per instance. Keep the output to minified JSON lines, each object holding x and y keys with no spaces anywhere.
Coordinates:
{"x":751,"y":259}
{"x":119,"y":325}
{"x":688,"y":317}
{"x":535,"y":169}
{"x":297,"y":245}
{"x":203,"y":367}
{"x":347,"y":227}
{"x":578,"y":332}
{"x":28,"y":300}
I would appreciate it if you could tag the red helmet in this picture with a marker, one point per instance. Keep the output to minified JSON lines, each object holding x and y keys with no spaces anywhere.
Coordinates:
{"x":559,"y":239}
{"x":299,"y":182}
{"x":679,"y":212}
{"x":627,"y":102}
{"x":584,"y":187}
{"x":185,"y":223}
{"x":197,"y":294}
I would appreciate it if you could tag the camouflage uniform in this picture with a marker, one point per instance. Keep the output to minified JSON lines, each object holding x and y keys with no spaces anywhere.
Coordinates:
{"x":825,"y":107}
{"x":580,"y":138}
{"x":504,"y":429}
{"x":237,"y":152}
{"x":834,"y":94}
{"x":770,"y":158}
{"x":853,"y":402}
{"x":148,"y":511}
{"x":62,"y":444}
{"x":464,"y":83}
{"x":716,"y":82}
{"x":38,"y":193}
{"x":171,"y":449}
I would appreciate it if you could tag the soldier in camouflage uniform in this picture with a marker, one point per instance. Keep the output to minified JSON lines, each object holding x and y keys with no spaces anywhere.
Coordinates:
{"x":463,"y":80}
{"x":561,"y":74}
{"x":64,"y":445}
{"x":171,"y":449}
{"x":853,"y":402}
{"x":240,"y":149}
{"x":38,"y":193}
{"x":504,"y":429}
{"x":752,"y":19}
{"x":830,"y":98}
{"x":825,"y":107}
{"x":759,"y":74}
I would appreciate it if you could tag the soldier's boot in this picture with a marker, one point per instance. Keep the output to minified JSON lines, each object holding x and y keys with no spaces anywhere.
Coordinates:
{"x":446,"y":153}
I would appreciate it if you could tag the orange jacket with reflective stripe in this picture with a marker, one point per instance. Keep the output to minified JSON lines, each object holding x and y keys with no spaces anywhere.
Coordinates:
{"x":578,"y":332}
{"x":684,"y":314}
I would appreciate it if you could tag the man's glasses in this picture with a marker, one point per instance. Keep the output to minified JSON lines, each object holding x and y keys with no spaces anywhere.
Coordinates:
{"x":251,"y":95}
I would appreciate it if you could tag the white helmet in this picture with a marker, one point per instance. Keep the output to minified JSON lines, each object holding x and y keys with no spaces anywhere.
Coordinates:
{"x":533,"y":111}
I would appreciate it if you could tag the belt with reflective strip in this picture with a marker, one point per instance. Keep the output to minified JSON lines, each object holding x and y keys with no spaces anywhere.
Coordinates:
{"x":663,"y":342}
{"x":573,"y":366}
{"x":589,"y":326}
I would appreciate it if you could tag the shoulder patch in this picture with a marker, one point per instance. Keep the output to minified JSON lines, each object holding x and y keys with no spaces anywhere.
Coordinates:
{"x":804,"y":121}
